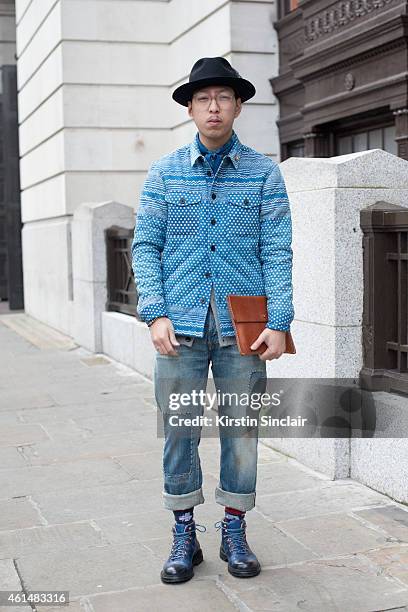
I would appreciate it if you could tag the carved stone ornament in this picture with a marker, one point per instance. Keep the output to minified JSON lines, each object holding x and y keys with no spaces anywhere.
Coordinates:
{"x":349,"y":81}
{"x":339,"y":15}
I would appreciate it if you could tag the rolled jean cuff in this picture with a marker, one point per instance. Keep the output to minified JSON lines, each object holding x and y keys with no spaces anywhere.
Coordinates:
{"x":184,"y":501}
{"x":240,"y":501}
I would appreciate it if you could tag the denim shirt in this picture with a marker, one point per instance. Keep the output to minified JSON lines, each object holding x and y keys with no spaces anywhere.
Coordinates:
{"x":199,"y":233}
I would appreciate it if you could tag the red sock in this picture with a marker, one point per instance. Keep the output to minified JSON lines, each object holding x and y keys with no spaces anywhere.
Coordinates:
{"x":232,"y":513}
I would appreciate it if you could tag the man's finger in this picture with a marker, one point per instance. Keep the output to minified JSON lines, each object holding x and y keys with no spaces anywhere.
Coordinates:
{"x":173,"y":338}
{"x":257,"y":342}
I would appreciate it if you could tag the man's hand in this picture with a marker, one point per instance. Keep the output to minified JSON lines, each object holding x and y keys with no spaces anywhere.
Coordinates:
{"x":275,"y":341}
{"x":163,"y":336}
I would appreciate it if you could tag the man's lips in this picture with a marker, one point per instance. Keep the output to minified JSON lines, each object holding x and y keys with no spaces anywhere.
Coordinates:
{"x":213,"y":121}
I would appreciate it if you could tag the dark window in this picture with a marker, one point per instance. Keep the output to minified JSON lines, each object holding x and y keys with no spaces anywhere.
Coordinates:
{"x":296,"y":149}
{"x":376,"y":138}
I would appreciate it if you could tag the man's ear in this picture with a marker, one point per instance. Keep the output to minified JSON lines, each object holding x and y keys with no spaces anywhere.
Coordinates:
{"x":238,"y":107}
{"x":189,"y":109}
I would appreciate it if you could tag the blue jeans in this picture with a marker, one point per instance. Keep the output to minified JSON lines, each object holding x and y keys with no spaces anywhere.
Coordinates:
{"x":232,"y":373}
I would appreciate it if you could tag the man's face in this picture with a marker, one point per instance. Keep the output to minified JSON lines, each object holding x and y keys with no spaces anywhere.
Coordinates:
{"x":214,"y":110}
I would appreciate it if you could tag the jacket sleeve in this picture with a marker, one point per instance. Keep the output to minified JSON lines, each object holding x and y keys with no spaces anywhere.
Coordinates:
{"x":147,"y":246}
{"x":275,"y":250}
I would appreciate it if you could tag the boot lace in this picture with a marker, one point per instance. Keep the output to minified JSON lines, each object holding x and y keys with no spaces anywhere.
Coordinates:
{"x":235,"y":538}
{"x":181,"y":541}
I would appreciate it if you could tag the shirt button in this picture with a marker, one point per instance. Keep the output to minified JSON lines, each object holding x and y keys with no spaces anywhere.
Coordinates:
{"x":246,"y":201}
{"x":212,"y":247}
{"x":202,"y":300}
{"x":213,"y":222}
{"x":208,"y":172}
{"x":207,"y":274}
{"x":213,"y":196}
{"x":182,"y":200}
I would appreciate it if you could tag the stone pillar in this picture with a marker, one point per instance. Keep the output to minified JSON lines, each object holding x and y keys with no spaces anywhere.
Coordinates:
{"x":401,"y":131}
{"x":326,"y":196}
{"x":316,"y":144}
{"x":89,"y":266}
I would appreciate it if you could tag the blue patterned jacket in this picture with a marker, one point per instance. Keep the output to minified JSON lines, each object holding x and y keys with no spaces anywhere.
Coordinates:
{"x":196,"y":230}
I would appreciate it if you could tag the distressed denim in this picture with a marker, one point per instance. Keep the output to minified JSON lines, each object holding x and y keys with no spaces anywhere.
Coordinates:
{"x":232,"y":373}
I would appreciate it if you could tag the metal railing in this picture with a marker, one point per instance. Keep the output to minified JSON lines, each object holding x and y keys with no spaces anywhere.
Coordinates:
{"x":122,"y":293}
{"x":385,"y":322}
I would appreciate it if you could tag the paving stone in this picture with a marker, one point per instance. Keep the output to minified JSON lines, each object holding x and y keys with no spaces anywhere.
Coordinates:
{"x":106,"y":543}
{"x":392,"y":560}
{"x":96,"y":569}
{"x":22,"y":542}
{"x":201,"y":595}
{"x":65,"y":395}
{"x":101,"y":424}
{"x":138,"y":468}
{"x":18,"y":513}
{"x":68,"y":475}
{"x":146,"y":525}
{"x":21,"y":433}
{"x":328,"y":497}
{"x":9,"y":581}
{"x":80,"y":411}
{"x":393,"y":519}
{"x":282,"y":476}
{"x":268,"y":455}
{"x":74,"y":606}
{"x":52,"y":451}
{"x":17,"y":400}
{"x":347,"y":584}
{"x":11,"y":458}
{"x":96,"y":502}
{"x":335,"y":534}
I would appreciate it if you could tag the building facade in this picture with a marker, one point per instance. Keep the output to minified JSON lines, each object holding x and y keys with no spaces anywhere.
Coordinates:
{"x":343,"y":77}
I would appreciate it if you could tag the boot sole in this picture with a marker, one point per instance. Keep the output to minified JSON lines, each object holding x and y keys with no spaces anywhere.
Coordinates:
{"x":239,"y":573}
{"x":197,"y":559}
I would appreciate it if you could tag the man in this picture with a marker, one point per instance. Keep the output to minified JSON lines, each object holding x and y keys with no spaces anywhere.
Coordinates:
{"x":213,"y":219}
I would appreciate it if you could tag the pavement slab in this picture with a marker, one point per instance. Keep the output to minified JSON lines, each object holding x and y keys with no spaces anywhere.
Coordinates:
{"x":81,"y":502}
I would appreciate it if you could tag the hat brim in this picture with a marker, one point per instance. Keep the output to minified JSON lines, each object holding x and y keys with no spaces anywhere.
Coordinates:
{"x":243,"y":88}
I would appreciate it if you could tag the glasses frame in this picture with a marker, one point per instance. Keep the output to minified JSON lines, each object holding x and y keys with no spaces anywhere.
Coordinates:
{"x":231,"y":98}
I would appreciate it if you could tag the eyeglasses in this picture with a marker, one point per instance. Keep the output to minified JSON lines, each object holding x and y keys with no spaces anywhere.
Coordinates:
{"x":223,"y":100}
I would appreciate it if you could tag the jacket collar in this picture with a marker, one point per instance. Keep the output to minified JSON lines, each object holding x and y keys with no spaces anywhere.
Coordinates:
{"x":234,"y":154}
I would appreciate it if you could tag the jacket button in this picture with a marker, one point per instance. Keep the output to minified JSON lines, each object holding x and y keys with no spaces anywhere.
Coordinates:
{"x":212,"y":247}
{"x":246,"y":201}
{"x":207,"y":274}
{"x":213,"y":222}
{"x":213,"y":196}
{"x":202,"y":300}
{"x":208,"y":172}
{"x":182,"y":200}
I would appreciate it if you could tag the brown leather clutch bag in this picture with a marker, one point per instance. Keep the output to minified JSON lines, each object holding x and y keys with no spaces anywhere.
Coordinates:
{"x":249,"y":316}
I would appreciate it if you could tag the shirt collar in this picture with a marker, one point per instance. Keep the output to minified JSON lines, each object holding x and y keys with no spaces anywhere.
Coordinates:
{"x":234,"y":154}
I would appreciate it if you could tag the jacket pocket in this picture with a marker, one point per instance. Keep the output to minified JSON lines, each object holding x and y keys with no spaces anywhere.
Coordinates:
{"x":183,"y":212}
{"x":243,"y":213}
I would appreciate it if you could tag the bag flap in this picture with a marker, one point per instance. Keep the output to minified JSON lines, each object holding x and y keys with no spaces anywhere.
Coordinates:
{"x":248,"y":308}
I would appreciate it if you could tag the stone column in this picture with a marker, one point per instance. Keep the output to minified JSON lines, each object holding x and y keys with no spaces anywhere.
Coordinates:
{"x":401,"y":131}
{"x":326,"y":196}
{"x":89,"y":266}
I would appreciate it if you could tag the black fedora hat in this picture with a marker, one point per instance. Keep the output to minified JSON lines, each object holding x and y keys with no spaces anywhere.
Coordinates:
{"x":213,"y":71}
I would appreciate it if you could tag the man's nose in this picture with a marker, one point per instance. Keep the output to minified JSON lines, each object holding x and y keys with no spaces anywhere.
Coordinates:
{"x":213,"y":104}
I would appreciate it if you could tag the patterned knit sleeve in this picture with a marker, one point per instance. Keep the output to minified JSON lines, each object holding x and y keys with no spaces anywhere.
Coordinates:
{"x":276,"y":251}
{"x":147,"y":246}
